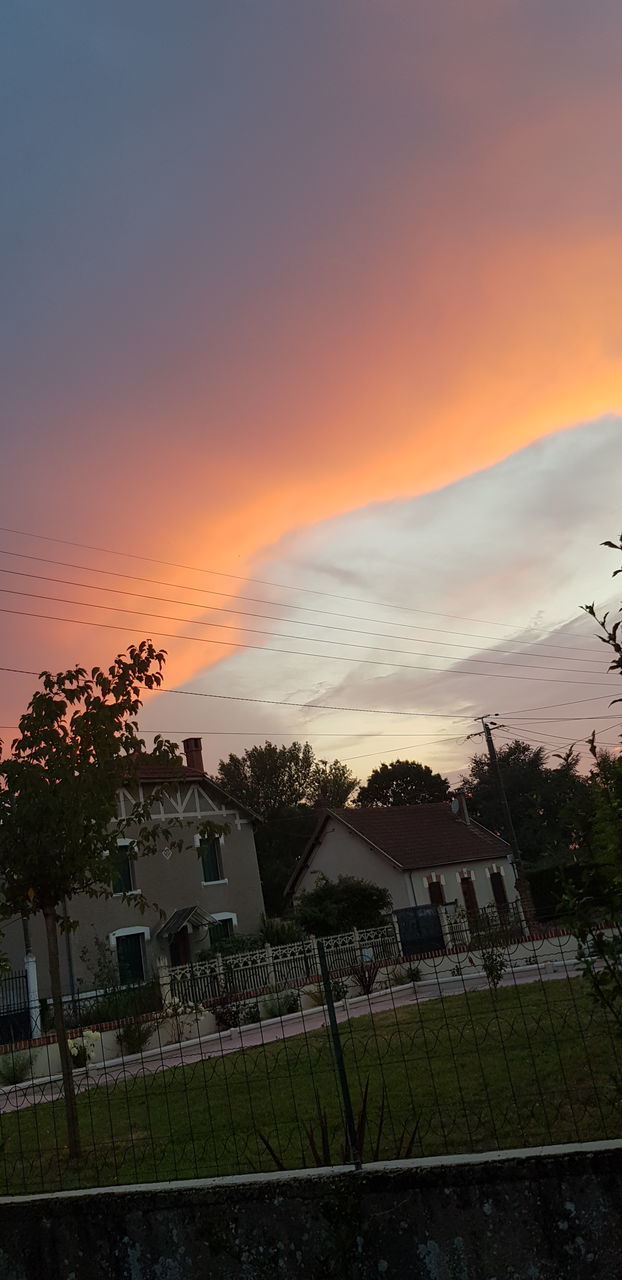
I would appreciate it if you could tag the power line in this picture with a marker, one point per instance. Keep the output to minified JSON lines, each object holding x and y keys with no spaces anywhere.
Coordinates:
{"x":300,"y":653}
{"x":281,"y":586}
{"x":279,"y":635}
{"x":254,"y":599}
{"x":248,"y":613}
{"x":415,"y":746}
{"x":282,"y":702}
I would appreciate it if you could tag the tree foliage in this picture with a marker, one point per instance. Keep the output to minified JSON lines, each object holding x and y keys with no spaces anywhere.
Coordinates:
{"x":550,"y":806}
{"x":286,"y":786}
{"x":336,"y":906}
{"x":595,"y":906}
{"x":77,"y":741}
{"x":271,"y":779}
{"x":403,"y":782}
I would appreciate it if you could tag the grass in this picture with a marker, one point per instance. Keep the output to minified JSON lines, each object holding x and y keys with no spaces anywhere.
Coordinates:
{"x":479,"y":1071}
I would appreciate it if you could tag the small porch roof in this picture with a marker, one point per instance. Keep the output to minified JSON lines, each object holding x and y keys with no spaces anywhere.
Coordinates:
{"x":184,"y":917}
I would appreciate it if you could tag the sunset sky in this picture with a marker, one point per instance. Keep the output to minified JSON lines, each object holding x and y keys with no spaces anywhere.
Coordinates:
{"x":313,"y":309}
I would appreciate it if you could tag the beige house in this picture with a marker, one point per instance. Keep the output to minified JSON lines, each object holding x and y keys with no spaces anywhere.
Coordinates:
{"x":210,"y":888}
{"x":423,"y":854}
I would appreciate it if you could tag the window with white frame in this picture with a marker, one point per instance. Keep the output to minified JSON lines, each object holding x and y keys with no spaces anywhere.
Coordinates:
{"x":210,"y":850}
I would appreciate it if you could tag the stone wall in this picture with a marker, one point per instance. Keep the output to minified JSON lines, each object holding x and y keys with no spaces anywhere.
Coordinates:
{"x":548,"y":1215}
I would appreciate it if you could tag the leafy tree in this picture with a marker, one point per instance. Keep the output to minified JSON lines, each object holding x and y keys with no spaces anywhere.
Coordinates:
{"x":402,"y":782}
{"x":77,"y":741}
{"x":335,"y":906}
{"x":271,"y":779}
{"x":550,"y":806}
{"x":597,"y":902}
{"x":285,"y":786}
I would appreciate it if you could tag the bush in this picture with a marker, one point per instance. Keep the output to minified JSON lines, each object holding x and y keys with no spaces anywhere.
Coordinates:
{"x":230,"y":1012}
{"x":494,"y":964}
{"x":134,"y":1037}
{"x":317,"y":995}
{"x":279,"y":1003}
{"x":116,"y":1005}
{"x":279,"y":932}
{"x":14,"y":1067}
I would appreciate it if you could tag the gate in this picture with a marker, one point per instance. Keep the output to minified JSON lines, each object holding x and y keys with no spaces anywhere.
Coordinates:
{"x":14,"y":1013}
{"x":420,"y":929}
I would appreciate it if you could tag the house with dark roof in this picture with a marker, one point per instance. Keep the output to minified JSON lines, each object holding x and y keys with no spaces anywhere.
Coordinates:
{"x":423,"y":853}
{"x":208,"y":889}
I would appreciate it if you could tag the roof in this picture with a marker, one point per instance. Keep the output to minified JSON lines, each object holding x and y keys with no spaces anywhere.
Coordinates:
{"x":413,"y":836}
{"x":192,"y":916}
{"x":147,"y":769}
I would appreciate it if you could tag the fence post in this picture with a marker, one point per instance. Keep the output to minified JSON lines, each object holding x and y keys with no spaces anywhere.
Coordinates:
{"x":32,"y":987}
{"x":398,"y":936}
{"x":445,"y":929}
{"x":348,"y":1113}
{"x":269,"y":962}
{"x":164,"y":979}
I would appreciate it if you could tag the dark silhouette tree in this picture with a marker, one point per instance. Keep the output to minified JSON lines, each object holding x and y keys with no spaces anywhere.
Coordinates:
{"x":402,"y":782}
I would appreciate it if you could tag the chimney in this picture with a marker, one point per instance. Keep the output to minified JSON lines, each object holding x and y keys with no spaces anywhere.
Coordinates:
{"x":194,"y":754}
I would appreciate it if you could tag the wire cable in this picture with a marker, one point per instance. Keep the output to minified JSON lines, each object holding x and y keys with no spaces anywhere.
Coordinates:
{"x":301,"y":653}
{"x":279,"y":635}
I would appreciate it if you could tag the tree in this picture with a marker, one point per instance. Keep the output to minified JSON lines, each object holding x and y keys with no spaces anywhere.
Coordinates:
{"x":271,"y":779}
{"x":403,"y":782}
{"x":549,"y":806}
{"x":285,"y":786}
{"x":336,"y":906}
{"x":78,"y":740}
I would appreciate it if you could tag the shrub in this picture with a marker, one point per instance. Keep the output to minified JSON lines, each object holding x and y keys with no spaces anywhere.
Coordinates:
{"x":317,"y":995}
{"x":231,"y":1012}
{"x":494,"y":964}
{"x":279,"y":1003}
{"x":365,"y":975}
{"x":82,"y":1048}
{"x":134,"y":1037}
{"x":413,"y":973}
{"x":14,"y":1067}
{"x":278,"y":931}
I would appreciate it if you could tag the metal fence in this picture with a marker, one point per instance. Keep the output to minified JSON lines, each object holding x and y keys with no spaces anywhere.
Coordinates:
{"x":490,"y":1048}
{"x":14,"y":1014}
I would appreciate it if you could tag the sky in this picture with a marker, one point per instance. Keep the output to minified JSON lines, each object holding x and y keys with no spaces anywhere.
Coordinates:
{"x":323,"y":297}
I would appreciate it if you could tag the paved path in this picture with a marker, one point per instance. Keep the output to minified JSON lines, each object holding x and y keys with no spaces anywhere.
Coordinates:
{"x":18,"y":1097}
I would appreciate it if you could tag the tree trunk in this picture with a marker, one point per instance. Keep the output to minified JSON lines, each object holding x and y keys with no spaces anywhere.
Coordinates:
{"x":71,"y":1111}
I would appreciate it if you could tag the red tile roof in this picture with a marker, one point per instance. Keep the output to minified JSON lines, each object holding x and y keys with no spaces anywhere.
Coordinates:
{"x":414,"y":836}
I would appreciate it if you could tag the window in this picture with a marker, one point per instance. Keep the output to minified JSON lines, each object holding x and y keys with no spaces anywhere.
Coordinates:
{"x":123,"y":879}
{"x":220,"y":930}
{"x":211,"y":859}
{"x":436,"y":893}
{"x":130,"y":957}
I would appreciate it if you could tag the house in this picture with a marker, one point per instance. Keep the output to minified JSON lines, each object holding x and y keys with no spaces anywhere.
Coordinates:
{"x":210,"y":888}
{"x":423,"y":854}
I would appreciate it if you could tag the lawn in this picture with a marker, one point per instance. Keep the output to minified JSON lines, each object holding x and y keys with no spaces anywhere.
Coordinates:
{"x":472,"y":1072}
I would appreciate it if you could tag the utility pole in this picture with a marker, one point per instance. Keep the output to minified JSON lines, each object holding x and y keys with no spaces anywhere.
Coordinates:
{"x":517,"y":857}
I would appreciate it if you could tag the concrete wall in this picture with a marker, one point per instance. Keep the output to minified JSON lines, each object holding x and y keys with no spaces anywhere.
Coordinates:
{"x":168,"y":883}
{"x":553,"y":1215}
{"x":342,"y":853}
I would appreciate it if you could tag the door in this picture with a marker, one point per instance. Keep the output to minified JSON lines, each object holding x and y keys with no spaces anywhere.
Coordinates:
{"x":130,"y":958}
{"x":436,"y":893}
{"x":180,"y":948}
{"x":469,"y":895}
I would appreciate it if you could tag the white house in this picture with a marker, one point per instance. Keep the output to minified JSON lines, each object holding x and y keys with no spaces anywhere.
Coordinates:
{"x":426,"y":853}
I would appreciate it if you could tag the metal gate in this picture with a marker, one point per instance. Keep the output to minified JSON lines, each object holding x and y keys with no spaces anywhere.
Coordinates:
{"x":14,"y":1014}
{"x":420,"y":929}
